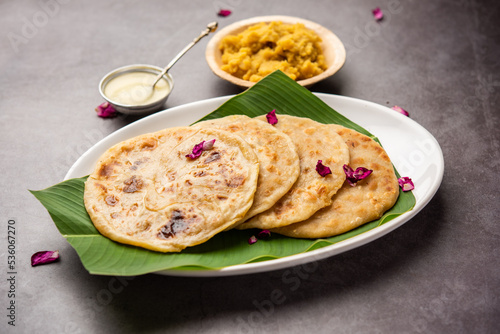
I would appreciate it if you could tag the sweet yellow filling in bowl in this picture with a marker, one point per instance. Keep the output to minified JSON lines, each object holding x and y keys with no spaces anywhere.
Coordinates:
{"x":265,"y":47}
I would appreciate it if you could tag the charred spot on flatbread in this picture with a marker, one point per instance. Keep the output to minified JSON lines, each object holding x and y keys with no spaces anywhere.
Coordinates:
{"x":178,"y":222}
{"x":132,"y":184}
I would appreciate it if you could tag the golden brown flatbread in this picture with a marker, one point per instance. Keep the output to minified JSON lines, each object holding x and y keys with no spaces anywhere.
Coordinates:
{"x":146,"y":192}
{"x":353,"y":206}
{"x":314,"y":141}
{"x":279,"y":165}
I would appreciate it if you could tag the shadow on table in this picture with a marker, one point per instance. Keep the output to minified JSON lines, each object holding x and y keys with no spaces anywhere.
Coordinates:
{"x":247,"y":302}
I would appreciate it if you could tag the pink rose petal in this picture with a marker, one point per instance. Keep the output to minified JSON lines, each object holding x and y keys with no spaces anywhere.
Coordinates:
{"x":322,"y":169}
{"x":199,"y":148}
{"x":252,"y":240}
{"x":264,"y":235}
{"x":106,"y":110}
{"x":378,"y":14}
{"x":271,"y":117}
{"x":353,"y":176}
{"x":208,"y":145}
{"x":401,"y":110}
{"x":406,"y":183}
{"x":44,"y":257}
{"x":224,"y":12}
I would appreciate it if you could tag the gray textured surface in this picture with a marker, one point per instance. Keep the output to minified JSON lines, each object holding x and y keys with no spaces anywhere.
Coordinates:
{"x":439,"y":273}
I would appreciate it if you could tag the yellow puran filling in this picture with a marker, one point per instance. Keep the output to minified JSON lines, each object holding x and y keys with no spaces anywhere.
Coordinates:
{"x":266,"y":47}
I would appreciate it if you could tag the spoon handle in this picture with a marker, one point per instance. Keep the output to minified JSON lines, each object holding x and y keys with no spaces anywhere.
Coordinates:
{"x":210,"y":28}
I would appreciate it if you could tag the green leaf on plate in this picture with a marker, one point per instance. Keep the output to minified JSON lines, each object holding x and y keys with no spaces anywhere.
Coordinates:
{"x":99,"y":255}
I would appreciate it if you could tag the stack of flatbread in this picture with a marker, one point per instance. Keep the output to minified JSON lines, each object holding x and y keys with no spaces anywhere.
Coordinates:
{"x":152,"y":191}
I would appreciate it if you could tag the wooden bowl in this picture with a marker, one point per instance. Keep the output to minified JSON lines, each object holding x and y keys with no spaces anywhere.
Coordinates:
{"x":333,"y":49}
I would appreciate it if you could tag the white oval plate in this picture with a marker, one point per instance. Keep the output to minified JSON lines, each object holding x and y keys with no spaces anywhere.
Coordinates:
{"x":412,"y":149}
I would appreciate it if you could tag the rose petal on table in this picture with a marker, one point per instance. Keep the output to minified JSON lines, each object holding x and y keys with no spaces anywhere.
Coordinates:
{"x":106,"y":110}
{"x":401,"y":110}
{"x":378,"y":14}
{"x":224,"y":12}
{"x":44,"y":257}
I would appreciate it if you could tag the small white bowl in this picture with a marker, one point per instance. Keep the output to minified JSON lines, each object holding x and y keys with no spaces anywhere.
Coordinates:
{"x":136,"y":109}
{"x":333,"y":49}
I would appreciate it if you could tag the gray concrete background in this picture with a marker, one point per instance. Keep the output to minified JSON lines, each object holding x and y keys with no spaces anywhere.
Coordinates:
{"x":438,"y":273}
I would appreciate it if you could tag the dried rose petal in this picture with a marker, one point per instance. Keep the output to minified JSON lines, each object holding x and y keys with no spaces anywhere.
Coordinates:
{"x":208,"y":145}
{"x":401,"y":110}
{"x":44,"y":257}
{"x":322,"y":169}
{"x":406,"y":183}
{"x":378,"y":14}
{"x":105,"y":110}
{"x":353,"y":176}
{"x":252,"y":240}
{"x":199,"y":148}
{"x":224,"y":12}
{"x":264,"y":235}
{"x":271,"y":117}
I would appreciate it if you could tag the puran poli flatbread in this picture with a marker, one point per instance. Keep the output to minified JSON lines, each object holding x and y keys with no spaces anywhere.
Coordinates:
{"x":353,"y":206}
{"x":314,"y":141}
{"x":146,"y":192}
{"x":278,"y":158}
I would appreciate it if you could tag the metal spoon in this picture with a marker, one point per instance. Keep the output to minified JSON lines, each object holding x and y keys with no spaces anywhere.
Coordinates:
{"x":211,"y":27}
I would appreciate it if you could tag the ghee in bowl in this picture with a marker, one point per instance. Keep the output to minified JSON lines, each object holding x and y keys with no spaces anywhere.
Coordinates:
{"x":130,"y":88}
{"x":135,"y":88}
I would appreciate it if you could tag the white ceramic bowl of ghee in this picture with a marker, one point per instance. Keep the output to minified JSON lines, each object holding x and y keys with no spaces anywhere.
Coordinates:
{"x":129,"y":89}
